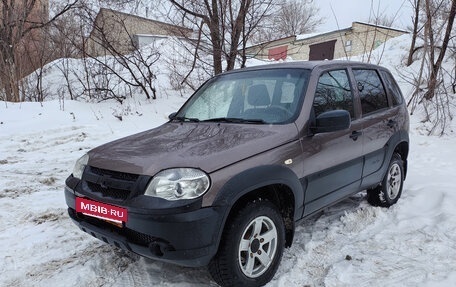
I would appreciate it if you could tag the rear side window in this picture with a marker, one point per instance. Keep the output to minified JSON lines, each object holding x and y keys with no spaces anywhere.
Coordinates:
{"x":393,"y":88}
{"x":333,"y":93}
{"x":371,"y":91}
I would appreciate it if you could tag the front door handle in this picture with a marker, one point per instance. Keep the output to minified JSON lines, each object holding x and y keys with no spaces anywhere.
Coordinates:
{"x":355,"y":134}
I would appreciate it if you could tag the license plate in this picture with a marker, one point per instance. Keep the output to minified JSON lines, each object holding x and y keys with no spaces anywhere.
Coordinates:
{"x":101,"y":210}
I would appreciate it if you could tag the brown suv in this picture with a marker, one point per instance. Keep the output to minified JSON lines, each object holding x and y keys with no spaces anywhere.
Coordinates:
{"x":252,"y":152}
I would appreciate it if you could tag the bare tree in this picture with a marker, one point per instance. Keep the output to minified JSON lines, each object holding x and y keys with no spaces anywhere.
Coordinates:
{"x":431,"y":86}
{"x":20,"y":19}
{"x":137,"y":64}
{"x":380,"y":19}
{"x":226,"y":26}
{"x":297,"y":17}
{"x":38,"y":53}
{"x":416,"y":20}
{"x":105,"y":71}
{"x":436,"y":66}
{"x":291,"y":17}
{"x":116,"y":73}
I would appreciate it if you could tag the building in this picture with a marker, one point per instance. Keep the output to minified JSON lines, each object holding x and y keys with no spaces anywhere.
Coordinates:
{"x":358,"y":39}
{"x":21,"y":43}
{"x":116,"y":32}
{"x":16,"y":21}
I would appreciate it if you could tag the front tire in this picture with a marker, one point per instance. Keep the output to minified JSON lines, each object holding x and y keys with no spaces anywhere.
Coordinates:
{"x":251,"y":247}
{"x":390,"y":190}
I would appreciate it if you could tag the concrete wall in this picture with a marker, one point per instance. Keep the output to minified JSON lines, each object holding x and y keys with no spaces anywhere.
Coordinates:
{"x":119,"y":29}
{"x":367,"y":37}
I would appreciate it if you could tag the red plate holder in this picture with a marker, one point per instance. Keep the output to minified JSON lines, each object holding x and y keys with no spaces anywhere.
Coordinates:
{"x":101,"y":210}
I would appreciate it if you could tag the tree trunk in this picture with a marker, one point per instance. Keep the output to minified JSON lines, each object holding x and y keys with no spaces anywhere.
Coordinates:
{"x":415,"y":32}
{"x":214,"y":27}
{"x":9,"y":73}
{"x":17,"y":21}
{"x":226,"y":21}
{"x":438,"y":64}
{"x":238,"y":25}
{"x":217,"y":53}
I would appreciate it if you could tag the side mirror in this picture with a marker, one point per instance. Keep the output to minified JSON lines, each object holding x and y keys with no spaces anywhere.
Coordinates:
{"x":172,"y":115}
{"x":332,"y":121}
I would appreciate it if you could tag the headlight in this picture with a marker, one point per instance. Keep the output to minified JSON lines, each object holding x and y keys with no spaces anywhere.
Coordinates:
{"x":178,"y":183}
{"x":80,"y":165}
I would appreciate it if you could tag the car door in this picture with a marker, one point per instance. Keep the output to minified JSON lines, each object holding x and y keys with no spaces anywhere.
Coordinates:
{"x":333,"y":161}
{"x":379,"y":121}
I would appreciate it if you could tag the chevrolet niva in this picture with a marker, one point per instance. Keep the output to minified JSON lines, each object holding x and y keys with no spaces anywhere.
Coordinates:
{"x":223,"y":183}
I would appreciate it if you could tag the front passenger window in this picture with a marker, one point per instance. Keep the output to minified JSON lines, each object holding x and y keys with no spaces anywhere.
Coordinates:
{"x":333,"y":93}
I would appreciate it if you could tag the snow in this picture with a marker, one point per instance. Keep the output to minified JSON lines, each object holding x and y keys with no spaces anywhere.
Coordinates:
{"x":351,"y":243}
{"x":310,"y":35}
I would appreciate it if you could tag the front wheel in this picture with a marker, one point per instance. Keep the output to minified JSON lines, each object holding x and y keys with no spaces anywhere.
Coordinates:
{"x":390,"y":190}
{"x":251,"y":246}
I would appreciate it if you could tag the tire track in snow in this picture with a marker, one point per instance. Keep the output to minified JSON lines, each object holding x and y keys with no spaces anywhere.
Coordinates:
{"x":325,"y":239}
{"x":147,"y":272}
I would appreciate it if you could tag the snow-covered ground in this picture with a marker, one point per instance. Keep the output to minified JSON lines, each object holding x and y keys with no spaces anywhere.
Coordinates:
{"x":350,"y":244}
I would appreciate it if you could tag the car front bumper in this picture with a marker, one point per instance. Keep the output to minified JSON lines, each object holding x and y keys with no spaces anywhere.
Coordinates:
{"x":187,"y":238}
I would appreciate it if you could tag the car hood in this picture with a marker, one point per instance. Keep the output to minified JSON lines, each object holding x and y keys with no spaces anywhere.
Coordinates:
{"x":207,"y":146}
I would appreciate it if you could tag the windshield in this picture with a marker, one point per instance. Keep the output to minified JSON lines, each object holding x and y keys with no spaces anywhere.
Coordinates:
{"x":260,"y":96}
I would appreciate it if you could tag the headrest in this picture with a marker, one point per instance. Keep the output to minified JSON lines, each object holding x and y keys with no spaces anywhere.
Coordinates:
{"x":258,"y":95}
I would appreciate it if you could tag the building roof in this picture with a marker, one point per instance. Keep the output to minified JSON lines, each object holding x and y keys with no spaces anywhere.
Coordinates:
{"x":383,"y":27}
{"x":319,"y":34}
{"x":104,"y":11}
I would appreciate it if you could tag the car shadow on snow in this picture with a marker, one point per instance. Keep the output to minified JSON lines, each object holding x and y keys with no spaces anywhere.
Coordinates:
{"x":149,"y":271}
{"x":307,"y":261}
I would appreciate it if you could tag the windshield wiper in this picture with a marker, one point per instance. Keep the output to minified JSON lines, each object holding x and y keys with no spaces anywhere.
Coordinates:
{"x":185,"y":119}
{"x":236,"y":120}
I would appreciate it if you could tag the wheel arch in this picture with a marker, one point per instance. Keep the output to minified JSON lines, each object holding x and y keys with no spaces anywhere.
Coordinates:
{"x":277,"y":184}
{"x":398,"y":143}
{"x":402,"y":149}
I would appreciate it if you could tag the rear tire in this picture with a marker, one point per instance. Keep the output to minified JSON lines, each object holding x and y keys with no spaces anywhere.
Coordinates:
{"x":390,"y":190}
{"x":251,"y":247}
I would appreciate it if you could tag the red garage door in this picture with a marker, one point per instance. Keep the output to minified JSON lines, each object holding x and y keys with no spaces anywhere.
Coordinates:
{"x":278,"y":53}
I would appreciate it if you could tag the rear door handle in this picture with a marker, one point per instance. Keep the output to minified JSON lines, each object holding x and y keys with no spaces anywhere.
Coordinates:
{"x":355,"y":134}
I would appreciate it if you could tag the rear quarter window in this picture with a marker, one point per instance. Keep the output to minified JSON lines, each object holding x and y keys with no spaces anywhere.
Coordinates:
{"x":393,"y":88}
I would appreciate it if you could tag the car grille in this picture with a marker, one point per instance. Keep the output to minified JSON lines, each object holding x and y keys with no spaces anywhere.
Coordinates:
{"x":109,"y":192}
{"x":138,"y":237}
{"x":114,"y":174}
{"x":132,"y":236}
{"x":102,"y":182}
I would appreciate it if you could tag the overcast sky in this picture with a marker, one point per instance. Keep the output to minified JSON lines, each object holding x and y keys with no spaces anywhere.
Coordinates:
{"x":348,"y":11}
